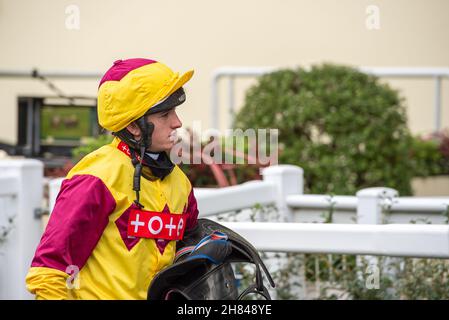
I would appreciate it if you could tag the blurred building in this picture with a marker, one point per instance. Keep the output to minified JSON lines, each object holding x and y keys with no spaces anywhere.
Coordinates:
{"x":87,"y":36}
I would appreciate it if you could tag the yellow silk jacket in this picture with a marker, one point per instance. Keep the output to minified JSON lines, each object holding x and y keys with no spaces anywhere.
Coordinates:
{"x":85,"y":252}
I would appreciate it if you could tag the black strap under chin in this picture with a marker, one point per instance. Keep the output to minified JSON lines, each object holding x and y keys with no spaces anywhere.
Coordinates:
{"x":142,"y":145}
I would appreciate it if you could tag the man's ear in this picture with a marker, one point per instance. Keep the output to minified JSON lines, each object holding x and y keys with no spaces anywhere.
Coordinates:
{"x":134,"y":129}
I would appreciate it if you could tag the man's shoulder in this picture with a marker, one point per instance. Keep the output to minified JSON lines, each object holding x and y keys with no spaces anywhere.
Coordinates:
{"x":101,"y":162}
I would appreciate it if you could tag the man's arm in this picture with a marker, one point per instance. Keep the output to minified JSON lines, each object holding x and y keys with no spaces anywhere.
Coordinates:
{"x":75,"y":226}
{"x":192,"y":212}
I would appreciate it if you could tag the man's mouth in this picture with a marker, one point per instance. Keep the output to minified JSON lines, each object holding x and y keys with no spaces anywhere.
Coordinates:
{"x":173,"y":137}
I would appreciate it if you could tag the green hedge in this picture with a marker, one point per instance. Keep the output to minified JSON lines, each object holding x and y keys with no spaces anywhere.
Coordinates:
{"x":430,"y":154}
{"x":346,"y":129}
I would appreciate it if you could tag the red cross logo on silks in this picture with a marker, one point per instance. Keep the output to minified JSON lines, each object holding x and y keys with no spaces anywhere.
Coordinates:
{"x":123,"y":147}
{"x":156,"y":225}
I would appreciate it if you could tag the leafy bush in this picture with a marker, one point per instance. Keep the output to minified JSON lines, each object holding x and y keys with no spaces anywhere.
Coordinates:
{"x":399,"y":278}
{"x":430,"y":154}
{"x":344,"y":128}
{"x":426,"y":157}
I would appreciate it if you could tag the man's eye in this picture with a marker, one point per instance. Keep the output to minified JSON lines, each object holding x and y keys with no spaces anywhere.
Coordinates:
{"x":164,"y":115}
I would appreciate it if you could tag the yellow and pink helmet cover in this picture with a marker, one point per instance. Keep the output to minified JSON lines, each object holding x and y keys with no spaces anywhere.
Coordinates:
{"x":131,"y":87}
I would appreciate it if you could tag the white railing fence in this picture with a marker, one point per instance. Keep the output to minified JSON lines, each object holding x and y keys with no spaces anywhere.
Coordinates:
{"x":376,"y":221}
{"x":21,"y":185}
{"x":374,"y":216}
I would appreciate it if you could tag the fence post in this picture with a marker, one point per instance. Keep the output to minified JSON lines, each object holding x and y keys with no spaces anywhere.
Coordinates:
{"x":18,"y":246}
{"x":288,"y":180}
{"x":370,"y":204}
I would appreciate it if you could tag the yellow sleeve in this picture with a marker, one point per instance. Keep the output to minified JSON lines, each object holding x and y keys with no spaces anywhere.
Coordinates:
{"x":47,"y":283}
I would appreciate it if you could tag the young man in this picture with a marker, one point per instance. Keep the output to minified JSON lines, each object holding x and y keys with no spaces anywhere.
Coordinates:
{"x":122,"y":208}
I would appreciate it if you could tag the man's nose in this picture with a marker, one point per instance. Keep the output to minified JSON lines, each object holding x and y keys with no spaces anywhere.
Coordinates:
{"x":176,"y":122}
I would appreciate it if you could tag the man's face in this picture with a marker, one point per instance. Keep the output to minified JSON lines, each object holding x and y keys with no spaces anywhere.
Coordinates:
{"x":164,"y":134}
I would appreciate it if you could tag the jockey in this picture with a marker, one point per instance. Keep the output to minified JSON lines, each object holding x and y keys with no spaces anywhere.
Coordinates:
{"x":122,"y":208}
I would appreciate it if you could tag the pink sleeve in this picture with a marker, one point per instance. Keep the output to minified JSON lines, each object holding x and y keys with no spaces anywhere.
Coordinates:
{"x":80,"y":215}
{"x":192,"y":211}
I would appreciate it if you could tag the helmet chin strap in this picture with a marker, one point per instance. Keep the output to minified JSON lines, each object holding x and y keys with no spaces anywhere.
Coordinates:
{"x":160,"y":167}
{"x":143,"y":144}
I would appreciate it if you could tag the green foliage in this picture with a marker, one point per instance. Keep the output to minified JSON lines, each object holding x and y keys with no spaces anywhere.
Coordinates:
{"x":430,"y":155}
{"x":399,"y":278}
{"x":341,"y":277}
{"x":344,"y":128}
{"x":424,"y":279}
{"x":91,"y":145}
{"x":426,"y":157}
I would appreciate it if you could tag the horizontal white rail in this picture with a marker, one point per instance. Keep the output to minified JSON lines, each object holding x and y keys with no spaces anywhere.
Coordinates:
{"x":427,"y":241}
{"x":322,"y":202}
{"x":242,"y":71}
{"x":398,"y":204}
{"x":235,"y":198}
{"x":412,"y":72}
{"x":405,"y":204}
{"x":212,"y":201}
{"x":67,"y":74}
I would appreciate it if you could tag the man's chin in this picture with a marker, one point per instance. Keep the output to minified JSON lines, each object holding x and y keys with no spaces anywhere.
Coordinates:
{"x":169,"y":148}
{"x":165,"y":147}
{"x":155,"y":150}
